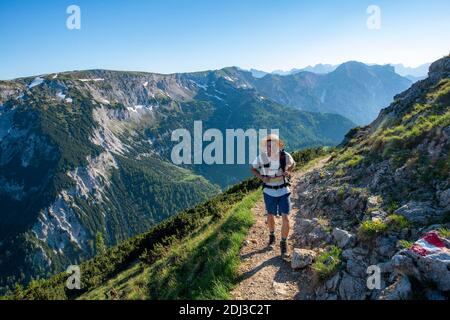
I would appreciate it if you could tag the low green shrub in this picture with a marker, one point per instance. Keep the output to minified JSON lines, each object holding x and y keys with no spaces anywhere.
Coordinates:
{"x":396,"y":222}
{"x":328,"y":263}
{"x":405,"y":244}
{"x":444,"y":232}
{"x":370,"y":229}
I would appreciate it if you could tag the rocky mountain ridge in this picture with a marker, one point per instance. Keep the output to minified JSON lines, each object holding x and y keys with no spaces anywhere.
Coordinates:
{"x":386,"y":189}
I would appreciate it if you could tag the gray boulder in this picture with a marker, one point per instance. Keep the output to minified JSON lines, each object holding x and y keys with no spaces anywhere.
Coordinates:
{"x":332,"y":296}
{"x":400,"y":290}
{"x":425,"y":269}
{"x":434,"y":295}
{"x":352,"y":288}
{"x":420,"y":212}
{"x":332,"y":284}
{"x":378,"y":215}
{"x":305,"y":226}
{"x":342,"y":237}
{"x":386,"y":267}
{"x":434,"y":270}
{"x":321,"y":293}
{"x":386,"y":246}
{"x":302,"y":258}
{"x":356,"y":253}
{"x":405,"y":265}
{"x":356,"y":268}
{"x":444,"y":198}
{"x":350,"y":204}
{"x":311,"y":233}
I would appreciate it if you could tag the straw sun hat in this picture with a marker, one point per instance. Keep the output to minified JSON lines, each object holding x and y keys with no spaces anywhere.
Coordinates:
{"x":273,"y":138}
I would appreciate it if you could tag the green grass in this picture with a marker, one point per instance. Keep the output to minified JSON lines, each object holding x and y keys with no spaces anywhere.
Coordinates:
{"x":307,"y":158}
{"x":418,"y":108}
{"x":394,"y":223}
{"x":397,"y":223}
{"x":349,"y":157}
{"x":339,"y":173}
{"x":421,"y":120}
{"x":441,"y":90}
{"x":205,"y":266}
{"x":328,"y":263}
{"x":405,"y":244}
{"x":341,"y":193}
{"x":444,"y":232}
{"x":392,"y":206}
{"x":399,"y":137}
{"x":370,"y":229}
{"x":354,"y":161}
{"x":359,"y":191}
{"x":130,"y":284}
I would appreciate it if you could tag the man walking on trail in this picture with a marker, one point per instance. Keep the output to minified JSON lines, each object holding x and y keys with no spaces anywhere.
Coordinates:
{"x":273,"y":166}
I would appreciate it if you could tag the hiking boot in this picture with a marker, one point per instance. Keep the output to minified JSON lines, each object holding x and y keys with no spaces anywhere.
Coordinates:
{"x":283,"y":249}
{"x":271,"y":240}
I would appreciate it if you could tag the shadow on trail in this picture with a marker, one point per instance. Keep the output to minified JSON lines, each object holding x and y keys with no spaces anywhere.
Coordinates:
{"x":283,"y":274}
{"x":260,"y":251}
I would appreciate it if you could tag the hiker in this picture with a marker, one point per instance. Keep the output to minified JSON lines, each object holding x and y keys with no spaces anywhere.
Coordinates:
{"x":273,"y":166}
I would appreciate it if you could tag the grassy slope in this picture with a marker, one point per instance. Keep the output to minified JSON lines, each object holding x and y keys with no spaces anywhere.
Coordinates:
{"x":399,"y":140}
{"x":203,"y":267}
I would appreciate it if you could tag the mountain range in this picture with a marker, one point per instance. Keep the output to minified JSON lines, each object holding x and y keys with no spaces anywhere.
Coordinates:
{"x":85,"y":155}
{"x":412,"y":73}
{"x":318,"y":68}
{"x":353,"y":90}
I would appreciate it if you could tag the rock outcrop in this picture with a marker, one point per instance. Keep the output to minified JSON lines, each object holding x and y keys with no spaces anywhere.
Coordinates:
{"x":384,"y":190}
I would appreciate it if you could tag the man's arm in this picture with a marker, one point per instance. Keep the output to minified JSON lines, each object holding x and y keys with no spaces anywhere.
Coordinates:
{"x":258,"y":175}
{"x":290,"y":166}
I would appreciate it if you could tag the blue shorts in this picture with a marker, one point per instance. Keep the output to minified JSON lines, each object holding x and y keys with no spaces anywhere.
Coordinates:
{"x":278,"y":206}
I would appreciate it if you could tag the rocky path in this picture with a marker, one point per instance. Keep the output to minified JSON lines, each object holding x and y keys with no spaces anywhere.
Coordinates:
{"x":264,"y":275}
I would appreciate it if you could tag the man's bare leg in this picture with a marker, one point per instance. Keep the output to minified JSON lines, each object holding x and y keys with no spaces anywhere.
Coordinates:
{"x":285,"y":227}
{"x":271,"y":222}
{"x":284,"y":235}
{"x":271,"y":225}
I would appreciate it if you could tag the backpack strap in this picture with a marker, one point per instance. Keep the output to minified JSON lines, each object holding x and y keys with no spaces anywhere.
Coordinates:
{"x":266,"y":162}
{"x":283,"y":160}
{"x":283,"y":164}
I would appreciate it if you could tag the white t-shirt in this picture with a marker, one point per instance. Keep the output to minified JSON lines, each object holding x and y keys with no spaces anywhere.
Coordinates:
{"x":271,"y":167}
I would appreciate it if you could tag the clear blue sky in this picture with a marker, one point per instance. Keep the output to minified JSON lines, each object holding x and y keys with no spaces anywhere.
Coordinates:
{"x":190,"y":35}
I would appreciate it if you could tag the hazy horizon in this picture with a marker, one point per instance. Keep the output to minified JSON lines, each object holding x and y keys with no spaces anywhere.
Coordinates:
{"x":205,"y":70}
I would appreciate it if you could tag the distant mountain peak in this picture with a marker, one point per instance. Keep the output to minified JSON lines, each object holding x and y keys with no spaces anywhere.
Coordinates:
{"x":417,"y":72}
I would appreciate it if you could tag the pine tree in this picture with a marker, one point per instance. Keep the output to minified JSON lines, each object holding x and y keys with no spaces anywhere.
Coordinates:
{"x":100,"y":246}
